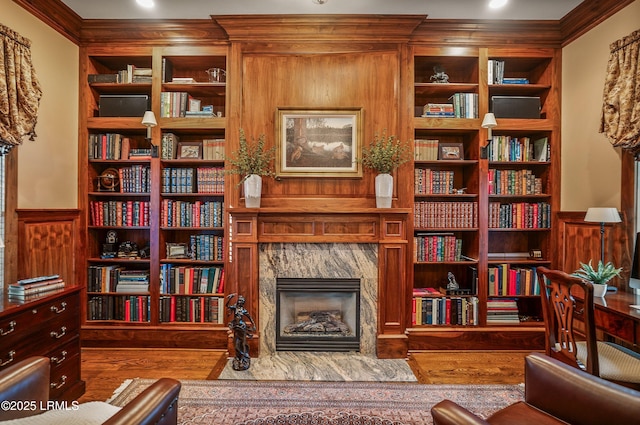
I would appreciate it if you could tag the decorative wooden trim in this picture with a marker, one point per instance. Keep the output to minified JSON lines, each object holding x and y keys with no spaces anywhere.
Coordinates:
{"x":587,"y":15}
{"x":57,"y":15}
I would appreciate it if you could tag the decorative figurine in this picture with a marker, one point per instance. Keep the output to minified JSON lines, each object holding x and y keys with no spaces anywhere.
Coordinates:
{"x":241,"y":332}
{"x":439,"y":75}
{"x":453,"y":284}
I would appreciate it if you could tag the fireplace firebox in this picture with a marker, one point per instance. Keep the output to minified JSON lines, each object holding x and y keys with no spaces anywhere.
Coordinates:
{"x":317,"y":314}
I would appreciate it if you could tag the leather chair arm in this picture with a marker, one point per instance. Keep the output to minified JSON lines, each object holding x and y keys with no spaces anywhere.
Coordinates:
{"x":447,"y":412}
{"x":26,"y":382}
{"x":158,"y":404}
{"x":574,"y":396}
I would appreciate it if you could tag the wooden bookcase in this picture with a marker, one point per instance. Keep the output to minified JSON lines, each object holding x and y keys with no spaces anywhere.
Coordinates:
{"x":175,"y":202}
{"x":484,"y":244}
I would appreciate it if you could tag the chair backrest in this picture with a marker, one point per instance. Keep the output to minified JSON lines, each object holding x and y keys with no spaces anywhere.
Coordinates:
{"x":559,"y":311}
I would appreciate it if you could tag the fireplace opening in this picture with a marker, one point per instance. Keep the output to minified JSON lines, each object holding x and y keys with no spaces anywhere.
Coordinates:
{"x":317,"y":314}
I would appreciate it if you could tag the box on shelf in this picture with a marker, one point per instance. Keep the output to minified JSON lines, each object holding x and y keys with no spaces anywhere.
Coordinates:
{"x":123,"y":105}
{"x":515,"y":106}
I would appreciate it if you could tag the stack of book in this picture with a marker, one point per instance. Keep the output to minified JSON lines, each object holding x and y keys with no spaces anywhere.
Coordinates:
{"x":438,"y":110}
{"x":35,"y":286}
{"x":426,"y":149}
{"x":502,"y":311}
{"x":133,"y":281}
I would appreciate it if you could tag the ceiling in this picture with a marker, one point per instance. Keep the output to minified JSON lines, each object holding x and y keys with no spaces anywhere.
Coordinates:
{"x":435,"y":9}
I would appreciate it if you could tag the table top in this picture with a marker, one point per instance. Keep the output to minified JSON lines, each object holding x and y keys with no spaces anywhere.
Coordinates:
{"x":619,"y":302}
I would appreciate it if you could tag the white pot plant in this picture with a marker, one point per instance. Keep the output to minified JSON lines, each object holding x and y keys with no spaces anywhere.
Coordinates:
{"x":599,"y":277}
{"x":384,"y":155}
{"x":252,"y":161}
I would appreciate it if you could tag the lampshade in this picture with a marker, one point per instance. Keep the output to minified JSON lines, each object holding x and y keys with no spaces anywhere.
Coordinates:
{"x":602,"y":215}
{"x":489,"y":120}
{"x":149,"y":119}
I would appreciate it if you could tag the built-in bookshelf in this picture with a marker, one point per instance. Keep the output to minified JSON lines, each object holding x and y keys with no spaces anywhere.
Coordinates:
{"x":485,"y":217}
{"x":151,"y":219}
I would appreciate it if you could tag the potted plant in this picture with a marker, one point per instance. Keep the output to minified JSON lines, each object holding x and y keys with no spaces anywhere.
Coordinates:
{"x":599,"y":277}
{"x":384,"y":155}
{"x":252,"y":160}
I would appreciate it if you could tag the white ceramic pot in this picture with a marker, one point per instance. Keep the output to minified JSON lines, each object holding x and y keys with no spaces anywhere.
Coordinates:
{"x":252,"y":191}
{"x":599,"y":290}
{"x":384,"y":190}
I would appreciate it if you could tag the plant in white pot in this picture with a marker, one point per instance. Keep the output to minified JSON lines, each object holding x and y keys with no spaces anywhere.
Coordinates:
{"x":599,"y":277}
{"x":384,"y":155}
{"x":252,"y":161}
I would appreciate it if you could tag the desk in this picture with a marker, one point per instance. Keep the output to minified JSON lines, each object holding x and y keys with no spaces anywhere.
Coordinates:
{"x":614,"y":316}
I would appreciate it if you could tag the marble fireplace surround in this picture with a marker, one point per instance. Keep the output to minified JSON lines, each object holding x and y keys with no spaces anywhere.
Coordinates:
{"x":320,"y":261}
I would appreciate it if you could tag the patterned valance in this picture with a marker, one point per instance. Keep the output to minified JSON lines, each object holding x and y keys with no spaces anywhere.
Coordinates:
{"x":621,"y":103}
{"x":20,"y":91}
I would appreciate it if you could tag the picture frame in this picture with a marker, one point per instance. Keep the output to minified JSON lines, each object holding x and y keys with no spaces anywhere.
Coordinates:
{"x":189,"y":150}
{"x":177,"y":250}
{"x":450,"y":151}
{"x":318,"y":142}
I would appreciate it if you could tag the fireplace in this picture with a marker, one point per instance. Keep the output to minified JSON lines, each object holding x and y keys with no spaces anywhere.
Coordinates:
{"x":317,"y":314}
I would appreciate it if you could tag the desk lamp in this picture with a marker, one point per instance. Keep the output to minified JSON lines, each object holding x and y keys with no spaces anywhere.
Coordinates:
{"x":488,"y":122}
{"x":602,"y":216}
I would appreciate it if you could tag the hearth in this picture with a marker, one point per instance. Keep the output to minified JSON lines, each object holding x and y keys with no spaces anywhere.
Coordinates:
{"x":317,"y":314}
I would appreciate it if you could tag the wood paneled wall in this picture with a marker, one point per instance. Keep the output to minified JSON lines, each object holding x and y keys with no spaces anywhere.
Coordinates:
{"x":47,"y":243}
{"x":579,"y":241}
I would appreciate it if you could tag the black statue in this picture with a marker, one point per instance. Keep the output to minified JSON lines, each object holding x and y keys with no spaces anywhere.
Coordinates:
{"x":241,"y":332}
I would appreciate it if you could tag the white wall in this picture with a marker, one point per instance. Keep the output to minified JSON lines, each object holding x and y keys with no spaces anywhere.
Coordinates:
{"x":48,"y":166}
{"x":591,"y":167}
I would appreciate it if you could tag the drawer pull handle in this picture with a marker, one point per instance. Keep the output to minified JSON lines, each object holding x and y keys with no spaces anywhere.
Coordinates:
{"x":57,"y":310}
{"x":58,"y":335}
{"x":63,"y":380}
{"x":57,"y":360}
{"x":11,"y":354}
{"x":12,"y":327}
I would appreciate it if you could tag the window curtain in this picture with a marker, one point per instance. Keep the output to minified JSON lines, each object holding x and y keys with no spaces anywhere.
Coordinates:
{"x":20,"y":91}
{"x":621,"y":103}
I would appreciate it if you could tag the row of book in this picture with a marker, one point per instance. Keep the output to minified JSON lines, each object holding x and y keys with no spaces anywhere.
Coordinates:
{"x":135,"y":179}
{"x":460,"y":105}
{"x":182,"y":104}
{"x":186,"y":280}
{"x":119,"y":213}
{"x":212,"y":149}
{"x":438,"y":310}
{"x":514,"y":182}
{"x":206,"y":247}
{"x":182,"y":180}
{"x":520,"y":215}
{"x":502,"y":311}
{"x":437,"y":248}
{"x":445,"y":215}
{"x":115,"y":278}
{"x":507,"y":280}
{"x":130,"y":74}
{"x":428,"y":181}
{"x":425,"y":149}
{"x":108,"y":146}
{"x":34,"y":287}
{"x":127,"y":308}
{"x":176,"y":213}
{"x":518,"y":149}
{"x":495,"y":74}
{"x":192,"y":309}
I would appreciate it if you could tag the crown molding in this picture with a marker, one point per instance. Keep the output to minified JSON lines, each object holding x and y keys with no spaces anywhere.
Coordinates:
{"x":55,"y":14}
{"x":587,"y":15}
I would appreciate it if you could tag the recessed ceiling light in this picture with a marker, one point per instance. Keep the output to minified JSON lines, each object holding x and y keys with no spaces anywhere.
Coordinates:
{"x":146,"y":3}
{"x":495,"y":4}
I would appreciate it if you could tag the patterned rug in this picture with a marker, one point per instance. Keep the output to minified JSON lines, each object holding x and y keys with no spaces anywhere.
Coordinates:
{"x":322,"y":403}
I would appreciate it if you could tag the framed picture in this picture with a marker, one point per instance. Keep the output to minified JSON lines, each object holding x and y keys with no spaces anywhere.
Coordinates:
{"x":177,"y":250}
{"x":318,"y":142}
{"x":189,"y":150}
{"x":450,"y":151}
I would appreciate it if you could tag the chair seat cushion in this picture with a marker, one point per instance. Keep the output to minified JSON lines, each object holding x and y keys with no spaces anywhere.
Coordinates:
{"x":90,"y":413}
{"x":616,"y":363}
{"x":522,"y":414}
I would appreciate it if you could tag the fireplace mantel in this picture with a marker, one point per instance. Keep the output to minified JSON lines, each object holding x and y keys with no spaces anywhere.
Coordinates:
{"x":386,"y":227}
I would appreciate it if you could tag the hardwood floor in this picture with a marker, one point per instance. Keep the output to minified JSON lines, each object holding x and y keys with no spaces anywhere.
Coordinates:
{"x":104,"y":370}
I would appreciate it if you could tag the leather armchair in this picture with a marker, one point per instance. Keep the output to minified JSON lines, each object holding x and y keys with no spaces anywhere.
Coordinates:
{"x":555,"y":393}
{"x":28,"y":380}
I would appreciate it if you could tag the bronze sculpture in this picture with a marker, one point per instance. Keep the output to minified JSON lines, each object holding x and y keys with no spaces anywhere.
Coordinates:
{"x":241,"y":332}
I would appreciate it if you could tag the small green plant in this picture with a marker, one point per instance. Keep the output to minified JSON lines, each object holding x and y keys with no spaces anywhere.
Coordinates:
{"x":602,"y":275}
{"x":385,"y":154}
{"x":252,"y":158}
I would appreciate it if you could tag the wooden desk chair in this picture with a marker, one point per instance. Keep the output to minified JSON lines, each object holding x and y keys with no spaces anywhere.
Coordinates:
{"x":606,"y":360}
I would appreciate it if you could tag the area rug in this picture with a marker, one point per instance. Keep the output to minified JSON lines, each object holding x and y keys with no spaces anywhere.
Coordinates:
{"x":323,"y":403}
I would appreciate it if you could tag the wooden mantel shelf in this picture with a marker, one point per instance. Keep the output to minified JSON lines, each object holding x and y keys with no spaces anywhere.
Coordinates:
{"x":297,"y":224}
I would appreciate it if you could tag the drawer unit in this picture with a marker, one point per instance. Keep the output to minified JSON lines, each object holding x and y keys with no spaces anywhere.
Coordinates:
{"x":45,"y":326}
